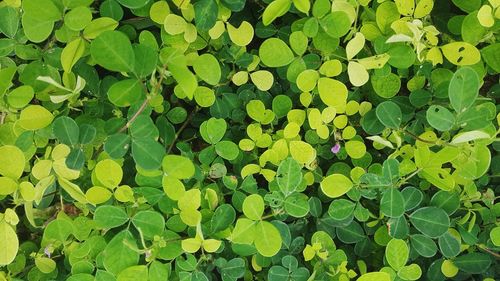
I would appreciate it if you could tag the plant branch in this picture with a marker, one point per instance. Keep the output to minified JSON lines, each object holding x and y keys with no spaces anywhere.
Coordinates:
{"x":184,"y":125}
{"x":417,"y":137}
{"x":132,"y":119}
{"x":496,"y":255}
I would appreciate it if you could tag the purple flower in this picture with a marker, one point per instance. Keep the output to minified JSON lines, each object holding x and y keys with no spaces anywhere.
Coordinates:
{"x":336,"y":148}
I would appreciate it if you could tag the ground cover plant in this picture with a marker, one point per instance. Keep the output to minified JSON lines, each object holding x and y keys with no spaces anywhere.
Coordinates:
{"x":249,"y":140}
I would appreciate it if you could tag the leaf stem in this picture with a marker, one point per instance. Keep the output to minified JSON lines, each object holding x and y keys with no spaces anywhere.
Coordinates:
{"x":417,"y":137}
{"x":496,"y":255}
{"x":139,"y":111}
{"x":184,"y":125}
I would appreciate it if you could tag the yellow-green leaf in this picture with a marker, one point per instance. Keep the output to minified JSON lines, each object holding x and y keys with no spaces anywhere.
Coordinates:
{"x":336,"y":185}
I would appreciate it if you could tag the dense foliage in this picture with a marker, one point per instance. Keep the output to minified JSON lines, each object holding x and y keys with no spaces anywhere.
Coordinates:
{"x":249,"y":140}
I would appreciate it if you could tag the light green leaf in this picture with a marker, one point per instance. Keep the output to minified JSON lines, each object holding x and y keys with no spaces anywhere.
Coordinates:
{"x":126,"y":92}
{"x":9,"y":243}
{"x":98,"y":26}
{"x":72,"y":53}
{"x":336,"y":185}
{"x":262,"y":79}
{"x":268,"y":242}
{"x":397,"y":253}
{"x":35,"y":117}
{"x":120,"y":252}
{"x":207,"y":68}
{"x":375,"y":276}
{"x":289,"y":176}
{"x":178,"y":166}
{"x":242,"y":35}
{"x":461,"y":53}
{"x":12,"y":161}
{"x":253,"y":207}
{"x":274,"y":10}
{"x":355,"y":45}
{"x":275,"y":53}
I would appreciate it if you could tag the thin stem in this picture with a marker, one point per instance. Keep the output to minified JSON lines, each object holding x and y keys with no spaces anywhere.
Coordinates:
{"x":141,"y":109}
{"x":418,"y":138}
{"x":184,"y":125}
{"x":496,"y":255}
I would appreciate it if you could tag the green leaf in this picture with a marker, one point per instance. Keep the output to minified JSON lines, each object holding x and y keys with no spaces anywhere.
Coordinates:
{"x":253,"y":207}
{"x":126,"y":92}
{"x":223,"y":217}
{"x":461,"y":53}
{"x":474,"y":263}
{"x":35,"y":117}
{"x":440,"y":118}
{"x":341,"y":209}
{"x":289,"y":176}
{"x":227,"y":150}
{"x":117,"y":145}
{"x":410,"y":272}
{"x":136,"y":272}
{"x":205,"y":14}
{"x":401,"y":56}
{"x":20,"y":96}
{"x":150,"y":223}
{"x":66,"y":130}
{"x":57,"y":230}
{"x":113,"y":51}
{"x":45,"y":265}
{"x":276,"y":9}
{"x":9,"y":22}
{"x":336,"y":24}
{"x":243,"y":232}
{"x":87,"y":133}
{"x":268,"y":241}
{"x":108,"y":173}
{"x":234,"y":5}
{"x":213,"y":130}
{"x":463,"y":89}
{"x":98,"y":26}
{"x":78,"y":18}
{"x":75,"y":159}
{"x":133,"y":4}
{"x":397,"y":253}
{"x":147,"y":153}
{"x":110,"y":216}
{"x":392,"y":203}
{"x":297,"y":205}
{"x":430,"y":221}
{"x":275,"y":53}
{"x":389,"y":114}
{"x":336,"y":185}
{"x":178,"y":166}
{"x":207,"y":68}
{"x":386,"y":86}
{"x":495,"y":236}
{"x":375,"y":276}
{"x":12,"y":161}
{"x":449,"y":245}
{"x":9,"y":243}
{"x":120,"y":252}
{"x":423,"y":245}
{"x":73,"y":190}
